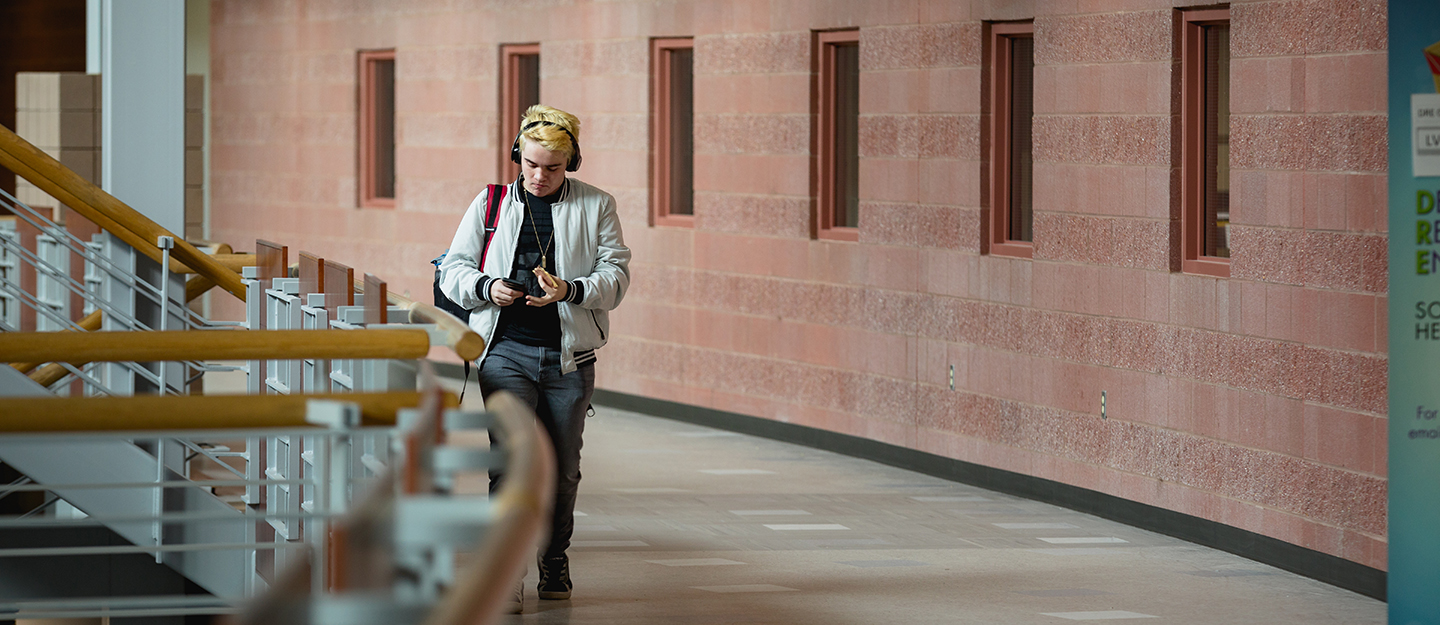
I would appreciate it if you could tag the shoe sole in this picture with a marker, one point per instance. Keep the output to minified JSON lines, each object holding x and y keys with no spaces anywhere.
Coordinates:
{"x":551,"y":594}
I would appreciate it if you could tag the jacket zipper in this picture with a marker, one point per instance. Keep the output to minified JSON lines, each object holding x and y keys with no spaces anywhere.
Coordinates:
{"x":597,"y":325}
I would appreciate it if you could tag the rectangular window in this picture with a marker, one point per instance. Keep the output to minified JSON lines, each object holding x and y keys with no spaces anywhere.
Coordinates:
{"x":672,"y":167}
{"x":519,"y":90}
{"x":838,"y":125}
{"x":1205,"y":142}
{"x":1012,"y":111}
{"x":377,"y":129}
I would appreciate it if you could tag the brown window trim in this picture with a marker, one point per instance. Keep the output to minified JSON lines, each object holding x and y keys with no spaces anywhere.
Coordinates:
{"x":1001,"y":142}
{"x":511,"y":109}
{"x":660,"y":121}
{"x":368,"y":196}
{"x":826,"y":43}
{"x":1192,"y":143}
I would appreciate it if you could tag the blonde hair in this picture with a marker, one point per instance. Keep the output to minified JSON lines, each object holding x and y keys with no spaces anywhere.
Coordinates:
{"x":551,"y":137}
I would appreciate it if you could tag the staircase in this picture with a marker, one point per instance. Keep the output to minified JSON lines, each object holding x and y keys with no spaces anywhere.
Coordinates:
{"x":331,"y":484}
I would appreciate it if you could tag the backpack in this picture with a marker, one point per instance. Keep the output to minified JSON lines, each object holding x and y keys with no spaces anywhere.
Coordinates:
{"x":496,"y":195}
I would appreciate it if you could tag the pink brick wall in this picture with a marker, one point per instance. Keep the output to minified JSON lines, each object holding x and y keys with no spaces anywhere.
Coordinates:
{"x":1256,"y":400}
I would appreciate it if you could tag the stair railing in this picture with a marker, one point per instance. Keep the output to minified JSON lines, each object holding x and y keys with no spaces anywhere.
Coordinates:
{"x":284,"y":473}
{"x":107,"y":212}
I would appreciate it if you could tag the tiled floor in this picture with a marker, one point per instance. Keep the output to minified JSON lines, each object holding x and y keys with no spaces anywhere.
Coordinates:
{"x":694,"y":526}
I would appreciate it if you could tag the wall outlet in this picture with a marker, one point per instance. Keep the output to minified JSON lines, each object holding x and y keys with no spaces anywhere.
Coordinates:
{"x":952,"y":377}
{"x":1102,"y":404}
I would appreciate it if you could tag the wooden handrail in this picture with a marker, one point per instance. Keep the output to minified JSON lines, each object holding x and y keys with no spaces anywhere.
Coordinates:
{"x":521,"y":508}
{"x":189,"y":412}
{"x":53,"y":372}
{"x":458,"y":336}
{"x":89,"y":323}
{"x":114,"y":216}
{"x":232,"y":262}
{"x":75,"y":347}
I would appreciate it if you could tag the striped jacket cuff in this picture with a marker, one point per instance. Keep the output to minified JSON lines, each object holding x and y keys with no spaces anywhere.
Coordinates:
{"x":577,"y":292}
{"x":482,"y":288}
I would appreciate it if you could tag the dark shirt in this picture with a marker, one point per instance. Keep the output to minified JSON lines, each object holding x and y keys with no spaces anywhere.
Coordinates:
{"x":520,"y":322}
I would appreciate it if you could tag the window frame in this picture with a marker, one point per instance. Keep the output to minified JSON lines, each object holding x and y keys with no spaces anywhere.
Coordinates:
{"x":1000,"y":40}
{"x":368,"y":177}
{"x":826,"y":45}
{"x":662,"y":142}
{"x":510,"y":107}
{"x":1193,"y":143}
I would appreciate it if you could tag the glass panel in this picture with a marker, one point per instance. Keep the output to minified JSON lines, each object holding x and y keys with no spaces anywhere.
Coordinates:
{"x":1217,"y":140}
{"x":1022,"y":110}
{"x":847,"y":135}
{"x":384,"y":127}
{"x":682,"y":126}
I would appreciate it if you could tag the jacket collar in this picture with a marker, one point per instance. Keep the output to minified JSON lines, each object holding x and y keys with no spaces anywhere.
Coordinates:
{"x":565,"y":190}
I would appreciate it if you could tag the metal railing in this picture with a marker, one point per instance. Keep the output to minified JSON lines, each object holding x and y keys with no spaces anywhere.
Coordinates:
{"x":277,"y":512}
{"x":374,"y":515}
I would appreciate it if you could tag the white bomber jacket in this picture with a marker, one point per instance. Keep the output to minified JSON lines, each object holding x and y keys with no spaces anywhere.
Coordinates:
{"x":589,"y":251}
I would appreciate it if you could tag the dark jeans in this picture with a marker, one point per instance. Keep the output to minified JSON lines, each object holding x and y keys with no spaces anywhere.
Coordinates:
{"x":560,"y":402}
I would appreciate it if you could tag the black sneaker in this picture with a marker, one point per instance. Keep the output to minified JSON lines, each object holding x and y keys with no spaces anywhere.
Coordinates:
{"x":554,"y":577}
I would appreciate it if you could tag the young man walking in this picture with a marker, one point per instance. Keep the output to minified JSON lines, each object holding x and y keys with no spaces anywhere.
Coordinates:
{"x":540,"y":296}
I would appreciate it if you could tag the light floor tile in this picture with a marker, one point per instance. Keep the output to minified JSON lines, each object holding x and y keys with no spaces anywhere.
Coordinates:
{"x":737,"y":472}
{"x":706,"y":434}
{"x":805,"y":527}
{"x":1078,"y":551}
{"x":1084,"y":540}
{"x":1035,"y":526}
{"x":769,"y":513}
{"x":579,"y":513}
{"x":744,"y":588}
{"x":595,"y":528}
{"x":1106,"y":615}
{"x":695,"y":562}
{"x":645,"y":491}
{"x":601,"y":544}
{"x":651,"y":452}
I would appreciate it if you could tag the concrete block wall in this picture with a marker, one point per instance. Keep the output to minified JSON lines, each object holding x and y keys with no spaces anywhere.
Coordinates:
{"x":1256,"y":400}
{"x":60,"y":114}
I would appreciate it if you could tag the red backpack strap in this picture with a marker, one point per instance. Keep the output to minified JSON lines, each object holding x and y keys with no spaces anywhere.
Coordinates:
{"x":496,"y":195}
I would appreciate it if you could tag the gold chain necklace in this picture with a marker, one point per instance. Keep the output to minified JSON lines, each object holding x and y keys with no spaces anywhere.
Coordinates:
{"x":536,"y":229}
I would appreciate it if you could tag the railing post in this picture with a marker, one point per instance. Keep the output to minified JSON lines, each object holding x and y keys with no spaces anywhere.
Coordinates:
{"x":332,"y":463}
{"x":9,"y":279}
{"x":165,"y":243}
{"x":158,"y":529}
{"x":254,"y":320}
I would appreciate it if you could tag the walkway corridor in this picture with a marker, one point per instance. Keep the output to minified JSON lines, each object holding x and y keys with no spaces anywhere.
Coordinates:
{"x":684,"y":526}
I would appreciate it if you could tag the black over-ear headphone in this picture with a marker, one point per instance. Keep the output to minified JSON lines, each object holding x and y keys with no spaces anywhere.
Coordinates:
{"x":572,"y":165}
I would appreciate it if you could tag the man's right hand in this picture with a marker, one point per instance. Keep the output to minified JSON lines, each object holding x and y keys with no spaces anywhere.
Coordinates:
{"x":503,"y":295}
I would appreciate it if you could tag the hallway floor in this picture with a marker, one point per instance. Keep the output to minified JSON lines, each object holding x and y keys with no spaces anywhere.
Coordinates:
{"x":687,"y":525}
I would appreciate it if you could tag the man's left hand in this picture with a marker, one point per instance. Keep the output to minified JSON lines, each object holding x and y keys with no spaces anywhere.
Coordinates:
{"x":555,"y":289}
